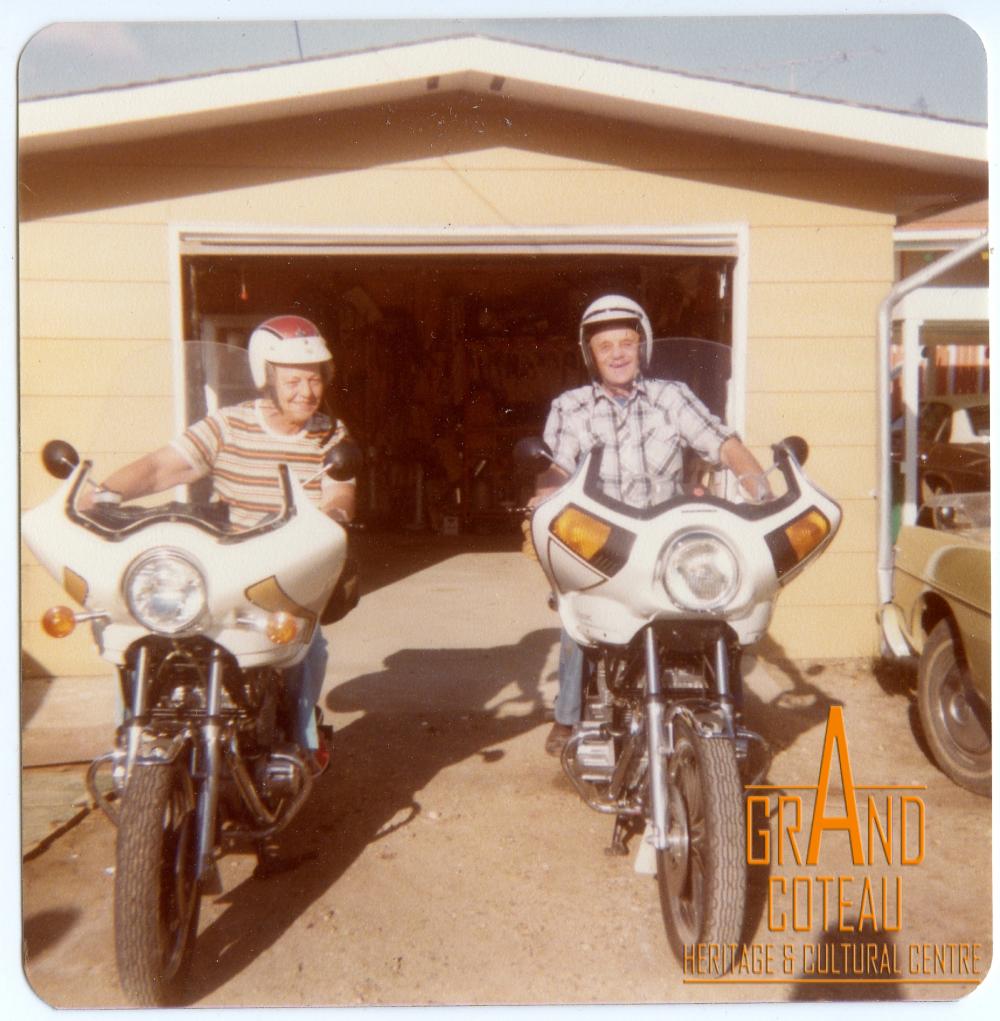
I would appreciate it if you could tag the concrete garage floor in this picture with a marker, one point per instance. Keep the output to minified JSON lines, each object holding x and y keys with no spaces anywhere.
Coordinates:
{"x":446,"y":860}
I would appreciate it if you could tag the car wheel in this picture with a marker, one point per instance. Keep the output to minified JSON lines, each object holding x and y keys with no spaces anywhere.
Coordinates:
{"x":955,"y":720}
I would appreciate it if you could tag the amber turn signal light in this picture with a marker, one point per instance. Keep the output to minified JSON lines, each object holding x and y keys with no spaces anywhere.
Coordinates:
{"x":59,"y":621}
{"x":282,"y":628}
{"x":585,"y":535}
{"x":807,"y":532}
{"x":791,"y":546}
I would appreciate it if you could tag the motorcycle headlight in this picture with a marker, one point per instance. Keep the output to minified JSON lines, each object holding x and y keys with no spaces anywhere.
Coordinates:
{"x":165,"y":591}
{"x":700,"y":572}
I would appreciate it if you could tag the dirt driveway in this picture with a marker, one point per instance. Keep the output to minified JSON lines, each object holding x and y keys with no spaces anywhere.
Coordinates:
{"x":445,"y":860}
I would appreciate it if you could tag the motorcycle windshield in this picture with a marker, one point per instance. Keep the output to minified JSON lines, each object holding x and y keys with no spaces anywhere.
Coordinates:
{"x":704,"y":366}
{"x":215,"y":376}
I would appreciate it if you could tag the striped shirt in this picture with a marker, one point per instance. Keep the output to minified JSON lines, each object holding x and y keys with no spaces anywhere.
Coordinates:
{"x":241,"y":453}
{"x":644,"y":437}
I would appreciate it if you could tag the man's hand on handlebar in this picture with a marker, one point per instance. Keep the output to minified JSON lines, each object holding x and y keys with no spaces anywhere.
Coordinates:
{"x":755,"y":488}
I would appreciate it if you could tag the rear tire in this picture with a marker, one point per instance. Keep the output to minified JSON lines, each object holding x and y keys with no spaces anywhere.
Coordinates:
{"x":157,"y":898}
{"x":702,"y":878}
{"x":954,"y":719}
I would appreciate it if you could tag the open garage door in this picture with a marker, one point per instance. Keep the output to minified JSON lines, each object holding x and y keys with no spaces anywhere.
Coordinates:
{"x":446,"y":358}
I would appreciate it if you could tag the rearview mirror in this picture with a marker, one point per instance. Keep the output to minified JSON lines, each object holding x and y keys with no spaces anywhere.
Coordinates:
{"x":60,"y":458}
{"x":531,"y":453}
{"x":343,"y":461}
{"x":797,"y":447}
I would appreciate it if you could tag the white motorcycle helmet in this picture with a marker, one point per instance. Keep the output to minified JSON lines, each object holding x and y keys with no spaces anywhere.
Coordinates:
{"x":615,"y":308}
{"x":285,"y":340}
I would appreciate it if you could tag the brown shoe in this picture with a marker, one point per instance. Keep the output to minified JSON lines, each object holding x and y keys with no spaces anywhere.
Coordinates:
{"x":557,"y":738}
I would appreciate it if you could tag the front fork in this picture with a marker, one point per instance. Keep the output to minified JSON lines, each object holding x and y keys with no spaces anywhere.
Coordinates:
{"x":210,"y":755}
{"x":660,"y":737}
{"x":210,"y":751}
{"x":208,"y":796}
{"x":657,"y":737}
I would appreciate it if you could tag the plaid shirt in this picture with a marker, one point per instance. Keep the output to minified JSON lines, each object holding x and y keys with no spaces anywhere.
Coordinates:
{"x":643,"y":439}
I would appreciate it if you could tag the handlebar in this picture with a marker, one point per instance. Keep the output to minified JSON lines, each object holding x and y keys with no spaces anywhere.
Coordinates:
{"x":115,"y":522}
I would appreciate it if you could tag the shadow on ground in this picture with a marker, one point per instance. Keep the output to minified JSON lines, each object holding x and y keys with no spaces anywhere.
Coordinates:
{"x":46,"y":929}
{"x":781,"y":722}
{"x":381,"y":762}
{"x":849,"y":965}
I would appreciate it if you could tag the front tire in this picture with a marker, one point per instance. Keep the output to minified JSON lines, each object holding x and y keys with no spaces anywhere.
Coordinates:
{"x":702,"y":875}
{"x":954,"y":719}
{"x":156,"y":891}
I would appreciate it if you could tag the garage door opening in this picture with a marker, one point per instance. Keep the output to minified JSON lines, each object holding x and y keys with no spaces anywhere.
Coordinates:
{"x":445,"y":361}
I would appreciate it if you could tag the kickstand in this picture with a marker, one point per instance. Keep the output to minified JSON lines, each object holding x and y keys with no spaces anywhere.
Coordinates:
{"x":624,"y":828}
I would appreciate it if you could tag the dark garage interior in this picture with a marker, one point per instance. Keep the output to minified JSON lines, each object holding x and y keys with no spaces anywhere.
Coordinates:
{"x":444,"y":361}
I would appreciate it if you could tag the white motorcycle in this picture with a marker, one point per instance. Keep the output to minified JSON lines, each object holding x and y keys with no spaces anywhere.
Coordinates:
{"x":664,"y":593}
{"x":198,"y":620}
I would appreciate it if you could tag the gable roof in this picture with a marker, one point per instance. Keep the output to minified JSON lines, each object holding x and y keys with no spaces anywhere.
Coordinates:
{"x":513,"y":70}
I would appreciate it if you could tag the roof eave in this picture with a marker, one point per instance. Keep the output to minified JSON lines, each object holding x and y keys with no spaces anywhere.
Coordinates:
{"x":512,"y":70}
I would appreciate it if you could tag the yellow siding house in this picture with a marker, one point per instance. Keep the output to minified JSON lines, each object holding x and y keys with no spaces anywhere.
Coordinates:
{"x":429,"y":174}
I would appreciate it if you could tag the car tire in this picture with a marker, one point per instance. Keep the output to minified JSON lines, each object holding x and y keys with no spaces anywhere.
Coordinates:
{"x":955,"y":720}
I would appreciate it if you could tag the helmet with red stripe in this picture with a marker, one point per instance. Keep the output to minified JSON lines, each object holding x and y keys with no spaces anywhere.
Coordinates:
{"x":285,"y":340}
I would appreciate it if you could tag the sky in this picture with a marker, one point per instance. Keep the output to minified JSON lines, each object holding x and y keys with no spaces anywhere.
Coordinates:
{"x":931,"y":64}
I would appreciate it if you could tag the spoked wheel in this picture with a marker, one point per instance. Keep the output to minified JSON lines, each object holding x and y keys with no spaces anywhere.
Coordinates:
{"x":156,"y":894}
{"x":954,"y":717}
{"x":702,"y":875}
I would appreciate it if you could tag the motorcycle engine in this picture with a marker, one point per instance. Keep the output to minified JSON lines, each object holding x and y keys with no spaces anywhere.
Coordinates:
{"x":280,"y":774}
{"x":595,"y":752}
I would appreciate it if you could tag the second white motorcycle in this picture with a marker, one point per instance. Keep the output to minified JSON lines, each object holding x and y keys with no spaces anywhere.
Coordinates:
{"x":664,"y":596}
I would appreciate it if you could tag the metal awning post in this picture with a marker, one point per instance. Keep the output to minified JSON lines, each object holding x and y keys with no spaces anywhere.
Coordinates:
{"x":884,"y":495}
{"x":911,"y":416}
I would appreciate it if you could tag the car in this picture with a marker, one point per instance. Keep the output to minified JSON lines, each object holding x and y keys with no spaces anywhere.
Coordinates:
{"x":953,"y":445}
{"x":940,"y":614}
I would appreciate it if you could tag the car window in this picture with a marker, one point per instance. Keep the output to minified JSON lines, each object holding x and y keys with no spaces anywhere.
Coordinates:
{"x":979,"y":418}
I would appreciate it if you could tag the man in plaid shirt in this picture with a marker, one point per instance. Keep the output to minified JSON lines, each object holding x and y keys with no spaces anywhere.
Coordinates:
{"x":644,"y":426}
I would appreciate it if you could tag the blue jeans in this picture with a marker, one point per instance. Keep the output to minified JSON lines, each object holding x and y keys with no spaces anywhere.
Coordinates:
{"x":303,"y":684}
{"x":571,"y":665}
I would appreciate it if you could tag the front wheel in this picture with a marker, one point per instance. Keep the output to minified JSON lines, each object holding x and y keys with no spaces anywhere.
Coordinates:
{"x":156,"y":890}
{"x":702,"y":874}
{"x":954,"y":719}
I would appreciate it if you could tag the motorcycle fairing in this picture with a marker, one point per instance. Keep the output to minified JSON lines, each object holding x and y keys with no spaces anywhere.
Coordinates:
{"x":594,"y":489}
{"x":289,"y":552}
{"x":114,"y":523}
{"x":615,"y":609}
{"x":570,"y":572}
